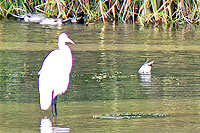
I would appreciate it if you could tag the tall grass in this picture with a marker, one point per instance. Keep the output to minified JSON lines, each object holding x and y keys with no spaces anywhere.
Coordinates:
{"x":126,"y":11}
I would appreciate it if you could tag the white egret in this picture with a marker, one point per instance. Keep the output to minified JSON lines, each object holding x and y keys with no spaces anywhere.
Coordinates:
{"x":54,"y":75}
{"x":146,"y":67}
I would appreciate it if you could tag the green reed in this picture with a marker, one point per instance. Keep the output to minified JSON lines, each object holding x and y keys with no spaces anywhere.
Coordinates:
{"x":125,"y":11}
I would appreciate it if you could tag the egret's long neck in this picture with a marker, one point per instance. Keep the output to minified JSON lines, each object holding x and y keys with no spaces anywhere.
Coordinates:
{"x":63,"y":47}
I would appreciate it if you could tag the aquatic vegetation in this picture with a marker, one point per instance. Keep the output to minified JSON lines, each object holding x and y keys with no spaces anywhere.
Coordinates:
{"x":106,"y":76}
{"x":134,"y":115}
{"x":133,"y":11}
{"x":172,"y":80}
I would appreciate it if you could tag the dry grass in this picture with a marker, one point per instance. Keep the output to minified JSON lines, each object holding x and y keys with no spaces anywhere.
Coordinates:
{"x":126,"y":11}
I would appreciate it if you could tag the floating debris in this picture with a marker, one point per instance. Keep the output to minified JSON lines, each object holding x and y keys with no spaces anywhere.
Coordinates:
{"x":134,"y":115}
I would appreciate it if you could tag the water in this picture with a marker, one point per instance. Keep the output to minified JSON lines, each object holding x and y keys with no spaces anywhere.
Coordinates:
{"x":104,"y":78}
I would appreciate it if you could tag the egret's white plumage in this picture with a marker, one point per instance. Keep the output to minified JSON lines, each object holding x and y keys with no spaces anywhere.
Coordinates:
{"x":146,"y":67}
{"x":54,"y":75}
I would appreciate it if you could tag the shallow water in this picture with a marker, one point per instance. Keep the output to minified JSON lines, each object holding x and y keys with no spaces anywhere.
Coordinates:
{"x":104,"y":78}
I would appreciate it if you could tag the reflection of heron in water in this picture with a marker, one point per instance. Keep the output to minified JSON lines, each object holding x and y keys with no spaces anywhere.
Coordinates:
{"x":145,"y":73}
{"x":46,"y":126}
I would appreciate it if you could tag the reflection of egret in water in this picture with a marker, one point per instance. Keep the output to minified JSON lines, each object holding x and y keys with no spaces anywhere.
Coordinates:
{"x":46,"y":126}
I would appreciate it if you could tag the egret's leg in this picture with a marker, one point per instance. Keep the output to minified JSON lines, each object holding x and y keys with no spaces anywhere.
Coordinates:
{"x":55,"y":107}
{"x":52,"y":106}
